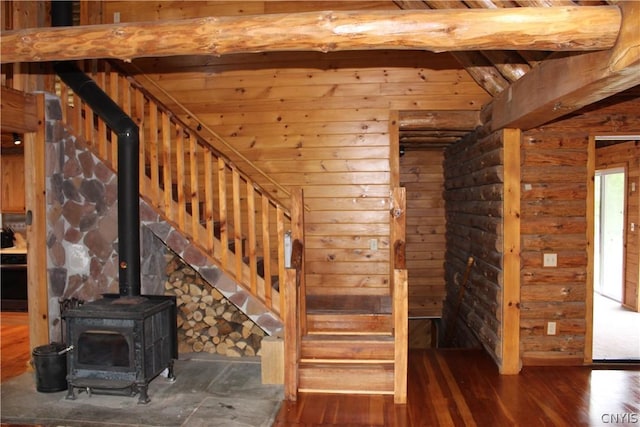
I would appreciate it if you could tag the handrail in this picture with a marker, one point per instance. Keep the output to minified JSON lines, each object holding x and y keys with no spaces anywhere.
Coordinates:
{"x":192,"y":186}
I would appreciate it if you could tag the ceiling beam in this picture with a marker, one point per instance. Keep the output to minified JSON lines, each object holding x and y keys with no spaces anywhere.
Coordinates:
{"x":19,"y":112}
{"x":553,"y":29}
{"x":442,"y":120}
{"x":562,"y":85}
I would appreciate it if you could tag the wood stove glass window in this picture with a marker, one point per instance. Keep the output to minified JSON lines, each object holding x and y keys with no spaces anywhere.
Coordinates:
{"x":104,"y":349}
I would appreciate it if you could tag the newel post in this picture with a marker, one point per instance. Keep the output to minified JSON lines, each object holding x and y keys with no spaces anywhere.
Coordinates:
{"x":399,"y":292}
{"x":294,"y":306}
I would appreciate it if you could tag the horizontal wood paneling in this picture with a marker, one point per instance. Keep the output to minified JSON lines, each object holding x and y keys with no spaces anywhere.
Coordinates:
{"x":421,"y":173}
{"x":320,"y":121}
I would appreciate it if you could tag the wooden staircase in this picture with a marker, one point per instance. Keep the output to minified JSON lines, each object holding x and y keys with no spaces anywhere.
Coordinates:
{"x":241,"y":230}
{"x":347,"y":363}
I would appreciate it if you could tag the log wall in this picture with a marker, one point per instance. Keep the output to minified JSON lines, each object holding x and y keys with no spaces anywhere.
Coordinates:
{"x":421,"y":173}
{"x":557,"y":163}
{"x":473,"y":171}
{"x":318,"y":121}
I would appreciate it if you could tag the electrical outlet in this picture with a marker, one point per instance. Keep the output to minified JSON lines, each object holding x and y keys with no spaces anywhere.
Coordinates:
{"x":550,"y":260}
{"x":373,"y":244}
{"x":551,"y":328}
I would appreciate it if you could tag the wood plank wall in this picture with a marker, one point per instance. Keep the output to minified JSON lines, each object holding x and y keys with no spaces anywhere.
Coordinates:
{"x":627,"y":154}
{"x":473,"y":201}
{"x":554,"y":220}
{"x":319,"y":121}
{"x":421,"y":173}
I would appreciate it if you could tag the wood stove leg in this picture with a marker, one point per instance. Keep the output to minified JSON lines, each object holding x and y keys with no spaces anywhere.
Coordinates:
{"x":143,"y":396}
{"x":171,"y":375}
{"x":71,"y":392}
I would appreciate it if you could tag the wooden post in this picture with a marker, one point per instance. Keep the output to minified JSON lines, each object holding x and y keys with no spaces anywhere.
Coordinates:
{"x":401,"y":334}
{"x":297,"y":235}
{"x":510,"y":363}
{"x":394,"y":148}
{"x":38,"y":293}
{"x":591,"y":173}
{"x":399,"y":292}
{"x":291,"y":335}
{"x":398,"y":227}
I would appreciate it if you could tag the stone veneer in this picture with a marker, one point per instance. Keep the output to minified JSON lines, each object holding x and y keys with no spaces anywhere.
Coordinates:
{"x":82,"y":233}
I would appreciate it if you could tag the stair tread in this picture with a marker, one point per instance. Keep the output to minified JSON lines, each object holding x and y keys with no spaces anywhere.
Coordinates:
{"x":349,"y":337}
{"x":345,"y":312}
{"x":321,"y":364}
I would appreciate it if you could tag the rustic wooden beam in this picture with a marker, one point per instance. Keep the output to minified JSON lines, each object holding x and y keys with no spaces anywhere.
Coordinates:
{"x":413,"y":143}
{"x":462,"y":120}
{"x":562,"y":85}
{"x":555,"y":29}
{"x":19,"y":111}
{"x":481,"y":70}
{"x":510,"y":64}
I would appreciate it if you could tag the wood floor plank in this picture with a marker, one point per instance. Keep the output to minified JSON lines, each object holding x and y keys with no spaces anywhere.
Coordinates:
{"x":457,"y":387}
{"x":14,"y":344}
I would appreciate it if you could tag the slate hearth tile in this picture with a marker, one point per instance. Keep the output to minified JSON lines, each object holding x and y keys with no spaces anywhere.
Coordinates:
{"x":233,"y":412}
{"x":245,"y":379}
{"x":209,"y":390}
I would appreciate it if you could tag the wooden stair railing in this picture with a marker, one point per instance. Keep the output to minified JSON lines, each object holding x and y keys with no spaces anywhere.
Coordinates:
{"x":241,"y":228}
{"x":213,"y":204}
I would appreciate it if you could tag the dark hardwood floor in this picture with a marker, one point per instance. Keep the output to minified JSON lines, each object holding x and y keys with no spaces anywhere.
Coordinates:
{"x":453,"y":387}
{"x":447,"y":387}
{"x":14,"y":344}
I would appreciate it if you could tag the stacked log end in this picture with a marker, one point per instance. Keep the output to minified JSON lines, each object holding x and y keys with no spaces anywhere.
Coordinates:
{"x":207,"y":321}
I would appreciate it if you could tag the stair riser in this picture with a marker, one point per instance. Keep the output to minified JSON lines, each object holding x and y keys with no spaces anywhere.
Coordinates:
{"x":347,"y":379}
{"x":342,"y":351}
{"x":377,"y":324}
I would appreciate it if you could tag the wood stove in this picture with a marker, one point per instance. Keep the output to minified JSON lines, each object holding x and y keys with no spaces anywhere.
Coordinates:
{"x":119,"y":344}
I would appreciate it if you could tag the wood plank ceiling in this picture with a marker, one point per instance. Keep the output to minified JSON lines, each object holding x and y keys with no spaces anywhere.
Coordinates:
{"x":494,"y":71}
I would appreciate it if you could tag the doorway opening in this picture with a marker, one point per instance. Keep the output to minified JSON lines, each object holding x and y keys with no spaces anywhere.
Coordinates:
{"x":615,"y":329}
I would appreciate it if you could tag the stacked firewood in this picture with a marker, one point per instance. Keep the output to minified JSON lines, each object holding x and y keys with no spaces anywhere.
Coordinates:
{"x":207,"y":321}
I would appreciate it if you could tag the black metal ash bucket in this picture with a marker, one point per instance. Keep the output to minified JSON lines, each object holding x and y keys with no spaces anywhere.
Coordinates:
{"x":50,"y":364}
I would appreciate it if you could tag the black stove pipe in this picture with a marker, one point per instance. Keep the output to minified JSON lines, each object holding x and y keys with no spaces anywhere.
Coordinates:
{"x":128,"y":158}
